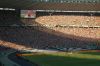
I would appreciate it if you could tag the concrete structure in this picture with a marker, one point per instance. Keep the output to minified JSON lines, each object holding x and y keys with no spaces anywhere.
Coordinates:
{"x":68,"y":5}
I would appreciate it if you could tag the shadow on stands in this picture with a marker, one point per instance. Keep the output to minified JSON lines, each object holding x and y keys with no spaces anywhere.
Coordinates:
{"x":9,"y":18}
{"x":36,"y":35}
{"x":42,"y":37}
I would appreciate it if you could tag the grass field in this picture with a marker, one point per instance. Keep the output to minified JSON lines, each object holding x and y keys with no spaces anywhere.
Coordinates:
{"x":66,"y":59}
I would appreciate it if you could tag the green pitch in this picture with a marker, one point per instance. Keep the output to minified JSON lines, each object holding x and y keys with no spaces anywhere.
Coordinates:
{"x":66,"y":59}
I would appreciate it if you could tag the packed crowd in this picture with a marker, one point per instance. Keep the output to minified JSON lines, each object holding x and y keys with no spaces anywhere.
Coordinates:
{"x":11,"y":38}
{"x":21,"y":38}
{"x":82,"y":32}
{"x":25,"y":37}
{"x":70,"y":20}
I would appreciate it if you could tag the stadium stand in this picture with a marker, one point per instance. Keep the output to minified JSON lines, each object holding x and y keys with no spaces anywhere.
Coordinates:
{"x":82,"y":20}
{"x":69,"y":1}
{"x":2,"y":48}
{"x":69,"y":20}
{"x":27,"y":37}
{"x":66,"y":6}
{"x":10,"y":16}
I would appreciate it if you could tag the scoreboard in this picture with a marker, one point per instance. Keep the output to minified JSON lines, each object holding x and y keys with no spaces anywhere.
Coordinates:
{"x":28,"y":14}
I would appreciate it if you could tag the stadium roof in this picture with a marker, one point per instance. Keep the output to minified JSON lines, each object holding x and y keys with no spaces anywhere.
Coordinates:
{"x":68,"y":5}
{"x":69,"y":1}
{"x":21,"y":4}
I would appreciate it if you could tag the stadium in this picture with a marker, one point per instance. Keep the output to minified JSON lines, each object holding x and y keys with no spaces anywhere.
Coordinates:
{"x":49,"y":32}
